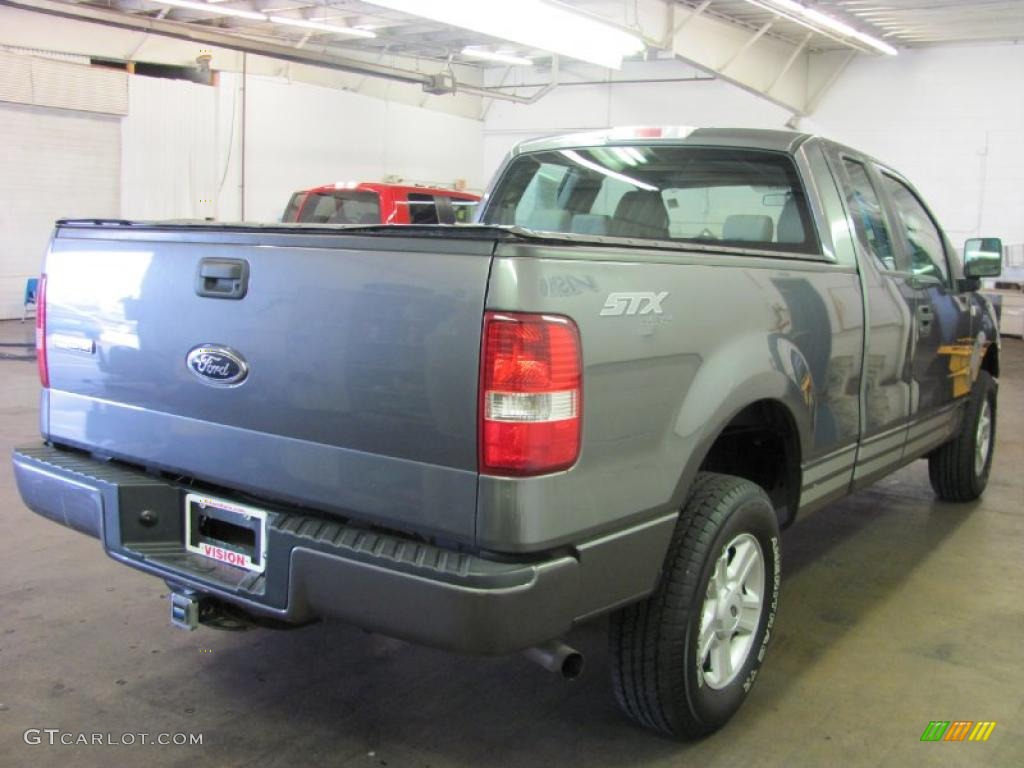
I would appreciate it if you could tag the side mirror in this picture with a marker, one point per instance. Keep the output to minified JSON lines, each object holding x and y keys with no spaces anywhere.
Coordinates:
{"x":983,"y":257}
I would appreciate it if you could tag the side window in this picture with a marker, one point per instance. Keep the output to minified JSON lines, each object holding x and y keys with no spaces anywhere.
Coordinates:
{"x":422,"y":209}
{"x":867,"y":213}
{"x":920,"y":235}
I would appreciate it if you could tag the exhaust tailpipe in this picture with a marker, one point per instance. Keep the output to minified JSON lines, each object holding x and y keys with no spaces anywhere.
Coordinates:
{"x":557,"y":657}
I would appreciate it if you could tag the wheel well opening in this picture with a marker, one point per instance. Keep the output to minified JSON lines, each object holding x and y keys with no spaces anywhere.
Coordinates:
{"x":761,"y":444}
{"x":990,"y":362}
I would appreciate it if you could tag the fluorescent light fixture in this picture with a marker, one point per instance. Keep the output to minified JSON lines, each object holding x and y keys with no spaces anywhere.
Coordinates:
{"x":319,"y":26}
{"x":216,"y":10}
{"x":624,"y":156}
{"x":504,"y":58}
{"x":530,"y":23}
{"x":840,"y":28}
{"x":628,"y":155}
{"x":577,"y":158}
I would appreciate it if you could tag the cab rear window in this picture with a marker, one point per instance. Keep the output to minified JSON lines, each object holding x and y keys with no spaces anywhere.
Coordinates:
{"x":343,"y":207}
{"x":734,"y":197}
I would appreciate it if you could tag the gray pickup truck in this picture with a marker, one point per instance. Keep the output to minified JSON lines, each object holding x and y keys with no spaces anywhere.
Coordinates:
{"x":654,"y":350}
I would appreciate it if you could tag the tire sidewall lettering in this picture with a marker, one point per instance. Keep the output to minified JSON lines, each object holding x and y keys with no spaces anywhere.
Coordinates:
{"x":754,"y":659}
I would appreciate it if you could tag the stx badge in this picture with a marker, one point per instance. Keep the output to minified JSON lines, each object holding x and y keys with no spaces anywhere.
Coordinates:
{"x":639,"y":303}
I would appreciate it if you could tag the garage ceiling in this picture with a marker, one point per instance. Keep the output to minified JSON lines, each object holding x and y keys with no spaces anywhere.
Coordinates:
{"x":901,"y":22}
{"x":939,"y":21}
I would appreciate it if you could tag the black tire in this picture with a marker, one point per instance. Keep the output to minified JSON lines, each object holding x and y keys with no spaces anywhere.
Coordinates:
{"x":952,"y":468}
{"x":658,"y":680}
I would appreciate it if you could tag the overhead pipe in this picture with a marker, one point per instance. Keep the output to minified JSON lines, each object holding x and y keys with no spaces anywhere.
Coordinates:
{"x":626,"y":81}
{"x":182,"y":31}
{"x":205,"y":35}
{"x":497,"y":93}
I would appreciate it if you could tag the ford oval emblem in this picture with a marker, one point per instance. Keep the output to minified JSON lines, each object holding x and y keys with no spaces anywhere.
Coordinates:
{"x":216,"y":365}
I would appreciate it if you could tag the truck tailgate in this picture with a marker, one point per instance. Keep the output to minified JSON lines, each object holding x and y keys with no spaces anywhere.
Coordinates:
{"x":362,"y":356}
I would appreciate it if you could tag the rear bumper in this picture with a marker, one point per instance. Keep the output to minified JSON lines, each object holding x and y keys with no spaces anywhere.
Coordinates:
{"x":316,"y":567}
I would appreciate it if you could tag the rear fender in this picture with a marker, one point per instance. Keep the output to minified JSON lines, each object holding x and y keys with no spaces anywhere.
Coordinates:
{"x":733,"y":378}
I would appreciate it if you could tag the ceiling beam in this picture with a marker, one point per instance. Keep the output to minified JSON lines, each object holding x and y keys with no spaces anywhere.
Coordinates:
{"x":787,"y":73}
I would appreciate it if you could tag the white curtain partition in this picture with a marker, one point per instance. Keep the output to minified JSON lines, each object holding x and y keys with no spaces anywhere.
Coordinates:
{"x":168,"y":150}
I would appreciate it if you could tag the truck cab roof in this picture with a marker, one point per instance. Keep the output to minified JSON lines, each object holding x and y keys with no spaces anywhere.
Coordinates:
{"x":380,"y":186}
{"x":753,"y":138}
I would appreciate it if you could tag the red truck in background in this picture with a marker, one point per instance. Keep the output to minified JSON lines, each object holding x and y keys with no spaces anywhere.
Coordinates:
{"x":379,"y":203}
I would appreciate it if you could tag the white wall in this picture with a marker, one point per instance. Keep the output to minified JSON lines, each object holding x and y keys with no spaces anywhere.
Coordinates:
{"x":181,"y":146}
{"x":951,"y":119}
{"x":300,"y":135}
{"x":169,"y":150}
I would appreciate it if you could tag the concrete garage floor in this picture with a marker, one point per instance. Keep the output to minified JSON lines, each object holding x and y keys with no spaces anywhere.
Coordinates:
{"x":896,"y":610}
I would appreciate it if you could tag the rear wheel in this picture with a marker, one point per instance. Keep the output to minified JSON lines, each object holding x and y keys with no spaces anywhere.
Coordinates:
{"x":684,"y":659}
{"x":959,"y":469}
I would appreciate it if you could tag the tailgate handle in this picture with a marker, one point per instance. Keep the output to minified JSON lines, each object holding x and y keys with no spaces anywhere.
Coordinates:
{"x":223,"y":278}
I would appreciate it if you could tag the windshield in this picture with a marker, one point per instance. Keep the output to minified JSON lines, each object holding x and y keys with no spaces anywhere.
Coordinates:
{"x":343,"y":207}
{"x":737,"y":197}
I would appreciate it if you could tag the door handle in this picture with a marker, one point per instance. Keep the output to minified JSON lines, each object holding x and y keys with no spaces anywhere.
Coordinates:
{"x":221,"y":269}
{"x":223,"y":278}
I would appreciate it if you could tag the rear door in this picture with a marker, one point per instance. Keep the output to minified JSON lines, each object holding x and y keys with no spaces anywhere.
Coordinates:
{"x":943,"y":347}
{"x":362,"y":357}
{"x":889,"y":299}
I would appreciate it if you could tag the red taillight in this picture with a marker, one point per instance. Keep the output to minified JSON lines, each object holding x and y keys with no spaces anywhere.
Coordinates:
{"x":44,"y":369}
{"x":531,"y":395}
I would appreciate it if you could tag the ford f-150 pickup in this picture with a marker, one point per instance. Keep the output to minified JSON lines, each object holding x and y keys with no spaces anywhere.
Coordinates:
{"x":654,"y":350}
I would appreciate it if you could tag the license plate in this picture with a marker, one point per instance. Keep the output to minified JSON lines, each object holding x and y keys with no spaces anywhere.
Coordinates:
{"x":226,"y":531}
